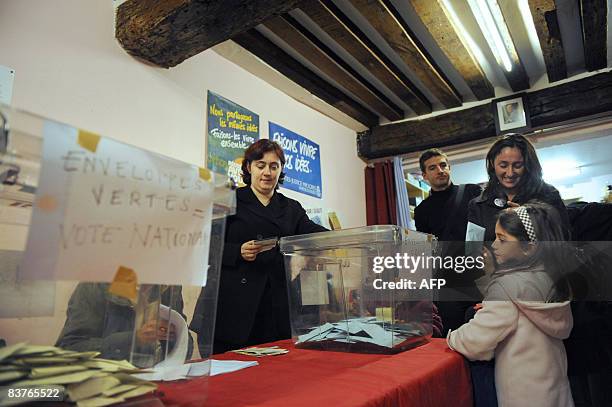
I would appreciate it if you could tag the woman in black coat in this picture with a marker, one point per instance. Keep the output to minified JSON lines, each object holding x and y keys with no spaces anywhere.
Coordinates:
{"x":515,"y":178}
{"x":253,"y":306}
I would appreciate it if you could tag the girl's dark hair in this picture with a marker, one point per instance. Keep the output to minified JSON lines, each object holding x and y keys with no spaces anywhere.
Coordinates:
{"x":545,"y":219}
{"x":256,"y":152}
{"x":551,"y":248}
{"x":531,"y":181}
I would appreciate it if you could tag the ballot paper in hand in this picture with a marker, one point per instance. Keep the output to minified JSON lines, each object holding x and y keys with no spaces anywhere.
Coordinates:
{"x":474,"y":236}
{"x":178,"y":353}
{"x":173,"y":367}
{"x":474,"y":233}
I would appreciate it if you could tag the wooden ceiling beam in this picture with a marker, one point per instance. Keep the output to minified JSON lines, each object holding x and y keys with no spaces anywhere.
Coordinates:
{"x":165,"y":33}
{"x":594,"y":18}
{"x":567,"y":102}
{"x":544,"y":14}
{"x":271,"y":54}
{"x":343,"y":31}
{"x":383,"y":16}
{"x":309,"y":47}
{"x":434,"y":16}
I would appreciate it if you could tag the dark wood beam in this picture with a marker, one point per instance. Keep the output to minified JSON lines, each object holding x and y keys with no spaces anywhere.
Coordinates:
{"x":338,"y":26}
{"x":383,"y":16}
{"x":309,"y":47}
{"x":267,"y":51}
{"x":441,"y":28}
{"x":165,"y":33}
{"x":572,"y":101}
{"x":594,"y":17}
{"x":416,"y":135}
{"x":544,"y":14}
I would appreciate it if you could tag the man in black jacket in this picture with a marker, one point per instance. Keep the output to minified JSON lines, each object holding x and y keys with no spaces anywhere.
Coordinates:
{"x":444,"y":214}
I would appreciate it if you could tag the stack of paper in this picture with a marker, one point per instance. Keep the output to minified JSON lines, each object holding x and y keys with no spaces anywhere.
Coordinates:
{"x":208,"y":367}
{"x":365,"y":330}
{"x":81,"y":376}
{"x":259,"y":352}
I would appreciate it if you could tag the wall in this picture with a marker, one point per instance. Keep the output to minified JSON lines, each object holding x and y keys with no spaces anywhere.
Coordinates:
{"x":595,"y":190}
{"x":587,"y":150}
{"x":70,"y":68}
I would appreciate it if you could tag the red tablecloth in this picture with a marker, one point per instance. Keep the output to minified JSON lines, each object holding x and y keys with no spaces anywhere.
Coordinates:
{"x":430,"y":375}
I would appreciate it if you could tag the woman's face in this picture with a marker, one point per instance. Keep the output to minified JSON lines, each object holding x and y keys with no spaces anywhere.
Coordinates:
{"x":509,"y":167}
{"x":265,"y":173}
{"x":506,"y":247}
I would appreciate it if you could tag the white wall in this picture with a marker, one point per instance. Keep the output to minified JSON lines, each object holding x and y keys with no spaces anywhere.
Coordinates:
{"x":594,"y":190}
{"x":70,"y":68}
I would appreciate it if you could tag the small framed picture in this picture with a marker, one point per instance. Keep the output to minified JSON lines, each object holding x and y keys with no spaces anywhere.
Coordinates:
{"x":511,"y":114}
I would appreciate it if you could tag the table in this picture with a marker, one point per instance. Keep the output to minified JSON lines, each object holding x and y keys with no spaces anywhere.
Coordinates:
{"x":430,"y":375}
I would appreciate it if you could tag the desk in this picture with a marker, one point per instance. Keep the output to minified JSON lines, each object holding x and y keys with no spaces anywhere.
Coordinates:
{"x":430,"y":375}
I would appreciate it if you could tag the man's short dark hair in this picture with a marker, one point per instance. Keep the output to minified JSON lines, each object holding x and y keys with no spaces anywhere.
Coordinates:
{"x":432,"y":152}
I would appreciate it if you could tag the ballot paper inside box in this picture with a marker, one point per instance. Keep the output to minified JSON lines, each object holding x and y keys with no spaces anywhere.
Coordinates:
{"x":101,"y":244}
{"x":338,"y":296}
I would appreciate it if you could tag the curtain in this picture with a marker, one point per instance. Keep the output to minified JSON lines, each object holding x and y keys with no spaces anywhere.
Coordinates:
{"x":403,"y":207}
{"x":381,"y":203}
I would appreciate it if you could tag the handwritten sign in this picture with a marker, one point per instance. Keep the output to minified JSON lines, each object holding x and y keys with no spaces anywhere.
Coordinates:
{"x":303,"y":163}
{"x":231,"y":129}
{"x":102,"y":204}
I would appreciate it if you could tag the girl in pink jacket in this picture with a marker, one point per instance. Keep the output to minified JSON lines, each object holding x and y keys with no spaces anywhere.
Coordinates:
{"x":525,"y":314}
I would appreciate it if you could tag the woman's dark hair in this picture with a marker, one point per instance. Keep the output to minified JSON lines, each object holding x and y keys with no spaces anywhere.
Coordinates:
{"x":256,"y":152}
{"x":551,"y":248}
{"x":531,"y":181}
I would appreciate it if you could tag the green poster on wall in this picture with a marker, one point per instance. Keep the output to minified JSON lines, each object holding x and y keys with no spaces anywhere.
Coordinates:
{"x":231,"y":129}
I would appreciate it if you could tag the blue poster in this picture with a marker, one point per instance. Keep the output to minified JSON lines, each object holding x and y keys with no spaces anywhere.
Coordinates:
{"x":303,"y":161}
{"x":231,"y":129}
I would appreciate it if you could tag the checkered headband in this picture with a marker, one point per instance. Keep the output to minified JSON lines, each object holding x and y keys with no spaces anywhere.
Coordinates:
{"x":521,"y":211}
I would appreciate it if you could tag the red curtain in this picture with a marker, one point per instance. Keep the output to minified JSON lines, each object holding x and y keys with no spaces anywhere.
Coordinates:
{"x":381,"y":206}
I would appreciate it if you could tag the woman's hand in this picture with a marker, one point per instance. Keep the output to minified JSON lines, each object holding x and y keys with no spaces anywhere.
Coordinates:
{"x":489,"y":260}
{"x":249,"y":250}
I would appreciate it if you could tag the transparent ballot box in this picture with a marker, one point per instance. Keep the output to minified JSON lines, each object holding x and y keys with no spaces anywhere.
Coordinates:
{"x":348,"y":292}
{"x":104,"y":249}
